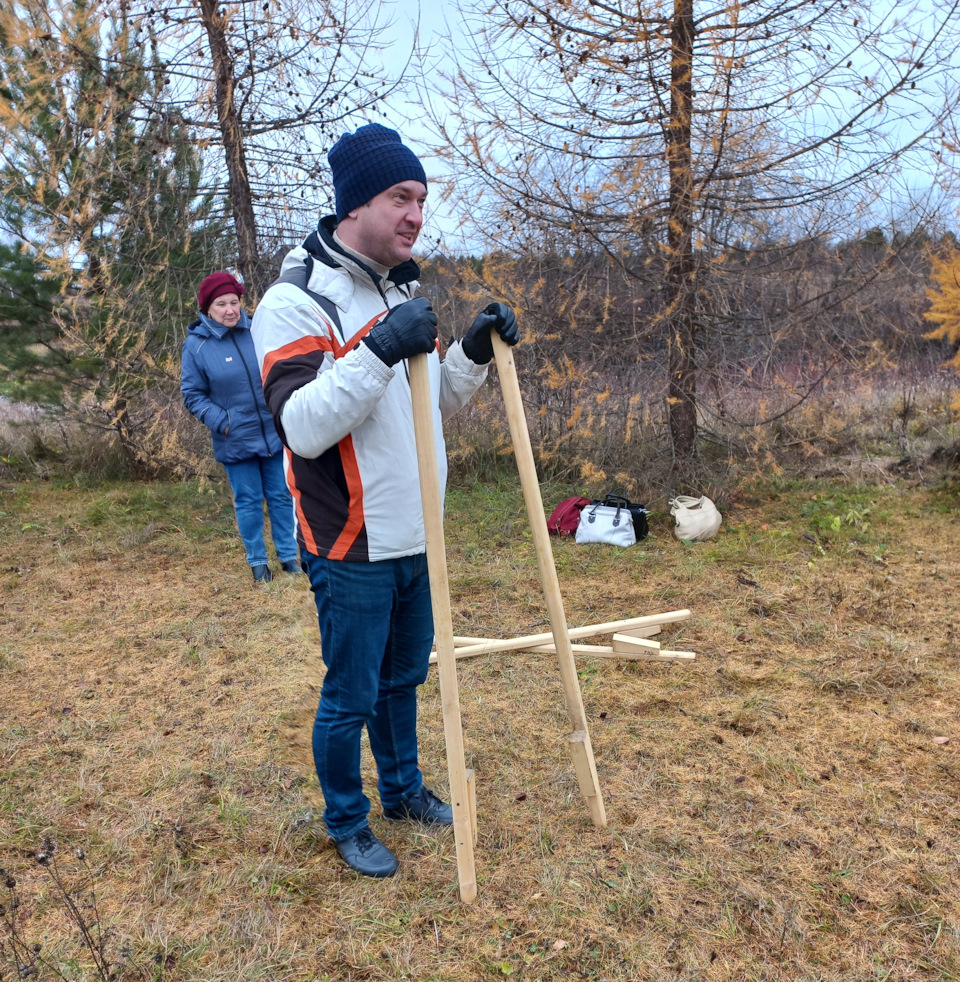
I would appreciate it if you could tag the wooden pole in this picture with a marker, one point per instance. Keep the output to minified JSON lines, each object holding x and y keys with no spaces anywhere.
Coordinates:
{"x":579,"y":739}
{"x":461,"y":794}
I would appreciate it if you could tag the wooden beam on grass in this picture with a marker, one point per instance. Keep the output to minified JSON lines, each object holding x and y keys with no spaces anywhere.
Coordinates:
{"x":587,"y":631}
{"x":624,"y":647}
{"x":461,"y":787}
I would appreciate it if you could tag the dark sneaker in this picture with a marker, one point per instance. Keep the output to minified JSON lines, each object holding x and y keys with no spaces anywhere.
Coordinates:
{"x":261,"y":573}
{"x":424,"y":806}
{"x":365,"y":853}
{"x":292,"y":566}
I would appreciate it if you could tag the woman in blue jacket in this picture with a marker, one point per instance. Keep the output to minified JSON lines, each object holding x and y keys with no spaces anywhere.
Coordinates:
{"x":221,"y":386}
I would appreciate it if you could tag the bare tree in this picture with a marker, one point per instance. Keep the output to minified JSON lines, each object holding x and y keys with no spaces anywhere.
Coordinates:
{"x":676,"y":136}
{"x":265,"y":87}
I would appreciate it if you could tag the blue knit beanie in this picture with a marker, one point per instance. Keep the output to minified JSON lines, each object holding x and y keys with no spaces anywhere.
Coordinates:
{"x":367,"y":162}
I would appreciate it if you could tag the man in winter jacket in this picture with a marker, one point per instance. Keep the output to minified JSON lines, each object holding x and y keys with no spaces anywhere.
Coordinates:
{"x":220,"y":382}
{"x":332,"y":336}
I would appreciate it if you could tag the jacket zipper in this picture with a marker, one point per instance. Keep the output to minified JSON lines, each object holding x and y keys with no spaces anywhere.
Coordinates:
{"x":253,"y":391}
{"x":377,"y":281}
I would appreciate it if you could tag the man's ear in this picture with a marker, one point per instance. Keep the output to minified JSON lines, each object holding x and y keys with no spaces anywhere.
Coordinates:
{"x":356,"y":211}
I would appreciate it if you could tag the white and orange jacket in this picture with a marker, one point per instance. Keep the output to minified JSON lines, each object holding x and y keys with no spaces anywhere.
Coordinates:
{"x":346,"y":418}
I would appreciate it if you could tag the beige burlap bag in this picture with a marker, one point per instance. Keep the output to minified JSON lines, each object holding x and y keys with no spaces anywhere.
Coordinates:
{"x":697,"y":518}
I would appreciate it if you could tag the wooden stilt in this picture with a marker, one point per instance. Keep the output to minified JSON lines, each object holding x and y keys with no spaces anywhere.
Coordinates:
{"x":460,"y":792}
{"x":472,"y":801}
{"x":530,"y":483}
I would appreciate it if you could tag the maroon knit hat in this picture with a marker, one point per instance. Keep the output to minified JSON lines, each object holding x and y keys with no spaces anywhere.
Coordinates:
{"x":216,"y":285}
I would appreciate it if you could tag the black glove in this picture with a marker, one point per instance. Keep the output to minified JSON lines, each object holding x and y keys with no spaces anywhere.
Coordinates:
{"x":477,"y":345}
{"x":408,"y":329}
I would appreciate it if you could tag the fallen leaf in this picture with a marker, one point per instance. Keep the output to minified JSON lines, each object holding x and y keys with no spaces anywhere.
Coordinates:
{"x":940,"y":741}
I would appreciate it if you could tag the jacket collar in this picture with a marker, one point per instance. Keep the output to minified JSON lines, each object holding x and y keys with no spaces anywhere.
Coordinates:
{"x":207,"y":327}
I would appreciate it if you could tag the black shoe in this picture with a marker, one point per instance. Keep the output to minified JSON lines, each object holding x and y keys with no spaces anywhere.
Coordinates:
{"x":423,"y":807}
{"x":261,"y":573}
{"x":292,"y":566}
{"x":365,"y":853}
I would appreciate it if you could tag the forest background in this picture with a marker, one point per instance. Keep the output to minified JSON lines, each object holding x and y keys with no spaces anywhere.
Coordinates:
{"x":721,"y":224}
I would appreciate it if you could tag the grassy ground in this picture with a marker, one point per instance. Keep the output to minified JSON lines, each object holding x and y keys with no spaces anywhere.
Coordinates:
{"x":783,"y":808}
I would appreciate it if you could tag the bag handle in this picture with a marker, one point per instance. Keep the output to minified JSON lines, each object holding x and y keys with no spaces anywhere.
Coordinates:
{"x":615,"y":498}
{"x":591,"y":516}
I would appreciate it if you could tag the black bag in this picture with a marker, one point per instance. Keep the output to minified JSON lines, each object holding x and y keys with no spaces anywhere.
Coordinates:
{"x":617,"y":498}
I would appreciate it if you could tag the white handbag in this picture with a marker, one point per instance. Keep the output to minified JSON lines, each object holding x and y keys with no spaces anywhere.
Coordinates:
{"x":606,"y":523}
{"x":697,"y":518}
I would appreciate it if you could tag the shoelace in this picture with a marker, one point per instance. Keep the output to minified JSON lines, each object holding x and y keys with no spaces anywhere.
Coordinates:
{"x":366,"y":841}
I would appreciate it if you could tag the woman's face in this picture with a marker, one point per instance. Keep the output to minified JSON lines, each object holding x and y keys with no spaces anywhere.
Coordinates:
{"x":225,"y":309}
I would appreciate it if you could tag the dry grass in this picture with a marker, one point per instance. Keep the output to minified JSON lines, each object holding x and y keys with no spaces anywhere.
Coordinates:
{"x":777,"y":810}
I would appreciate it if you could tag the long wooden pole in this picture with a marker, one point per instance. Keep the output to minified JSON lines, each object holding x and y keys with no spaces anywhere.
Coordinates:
{"x":579,"y":739}
{"x":460,"y":791}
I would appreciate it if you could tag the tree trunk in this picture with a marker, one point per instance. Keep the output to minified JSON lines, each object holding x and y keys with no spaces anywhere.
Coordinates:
{"x":681,"y":266}
{"x":255,"y":277}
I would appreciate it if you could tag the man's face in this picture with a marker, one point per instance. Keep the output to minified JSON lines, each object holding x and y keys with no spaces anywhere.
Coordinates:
{"x":386,"y":228}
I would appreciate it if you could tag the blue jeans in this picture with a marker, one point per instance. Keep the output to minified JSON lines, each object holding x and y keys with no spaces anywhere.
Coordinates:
{"x":376,"y":632}
{"x":253,"y":480}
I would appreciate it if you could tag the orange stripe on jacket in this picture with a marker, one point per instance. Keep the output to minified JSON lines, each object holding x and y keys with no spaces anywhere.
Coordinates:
{"x":360,"y":335}
{"x":351,"y":472}
{"x":305,"y":529}
{"x":302,"y":346}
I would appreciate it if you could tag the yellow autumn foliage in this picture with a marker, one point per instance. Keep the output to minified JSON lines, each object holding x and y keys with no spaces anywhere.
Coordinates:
{"x":944,"y":297}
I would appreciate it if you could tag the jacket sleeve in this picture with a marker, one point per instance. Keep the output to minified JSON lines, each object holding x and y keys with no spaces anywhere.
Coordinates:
{"x":459,"y":380}
{"x":317,"y":393}
{"x":195,"y":386}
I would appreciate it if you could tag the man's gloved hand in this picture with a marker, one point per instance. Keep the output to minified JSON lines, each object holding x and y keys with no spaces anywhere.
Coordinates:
{"x":408,"y":329}
{"x":477,"y":345}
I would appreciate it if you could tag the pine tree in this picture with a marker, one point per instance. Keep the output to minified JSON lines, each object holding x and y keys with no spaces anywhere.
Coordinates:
{"x":100,"y":191}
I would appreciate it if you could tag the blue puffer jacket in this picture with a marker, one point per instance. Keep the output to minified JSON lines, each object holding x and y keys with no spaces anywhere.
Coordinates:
{"x":220,"y":382}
